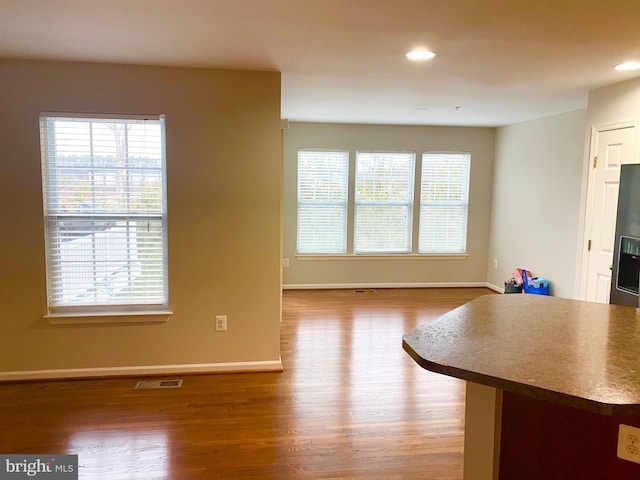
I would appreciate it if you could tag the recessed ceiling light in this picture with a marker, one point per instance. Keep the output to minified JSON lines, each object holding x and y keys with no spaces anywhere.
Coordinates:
{"x":420,"y":54}
{"x":628,"y":66}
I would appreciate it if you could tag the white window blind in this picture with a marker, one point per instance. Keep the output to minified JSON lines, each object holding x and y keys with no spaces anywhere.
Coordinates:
{"x":384,"y":202}
{"x":322,"y":201}
{"x":444,"y":202}
{"x":105,"y":212}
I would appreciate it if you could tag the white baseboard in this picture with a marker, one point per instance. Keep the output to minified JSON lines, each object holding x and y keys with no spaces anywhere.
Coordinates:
{"x":495,"y":288}
{"x":328,"y":286}
{"x":68,"y":373}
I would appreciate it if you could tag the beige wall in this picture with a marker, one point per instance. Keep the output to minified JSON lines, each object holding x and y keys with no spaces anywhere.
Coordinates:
{"x":536,"y":200}
{"x":224,"y":191}
{"x":362,"y":271}
{"x":615,"y":103}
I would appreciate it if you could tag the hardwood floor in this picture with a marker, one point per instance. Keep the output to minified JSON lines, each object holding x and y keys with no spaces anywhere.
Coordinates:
{"x":350,"y":404}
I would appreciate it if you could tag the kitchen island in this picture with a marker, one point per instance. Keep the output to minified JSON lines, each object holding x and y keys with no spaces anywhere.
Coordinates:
{"x":549,"y":381}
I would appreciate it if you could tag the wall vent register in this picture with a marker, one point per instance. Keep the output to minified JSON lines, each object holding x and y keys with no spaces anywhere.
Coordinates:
{"x":153,"y":384}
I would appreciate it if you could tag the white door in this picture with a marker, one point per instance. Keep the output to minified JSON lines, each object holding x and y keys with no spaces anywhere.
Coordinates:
{"x":610,"y":149}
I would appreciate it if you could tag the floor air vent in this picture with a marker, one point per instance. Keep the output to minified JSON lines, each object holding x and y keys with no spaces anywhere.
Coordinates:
{"x":366,"y":291}
{"x":152,"y":384}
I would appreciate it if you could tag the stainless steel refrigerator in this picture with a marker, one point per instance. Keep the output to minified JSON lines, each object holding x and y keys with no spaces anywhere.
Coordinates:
{"x":626,"y":255}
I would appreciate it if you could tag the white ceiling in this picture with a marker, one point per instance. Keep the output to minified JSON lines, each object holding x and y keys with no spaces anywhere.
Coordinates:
{"x":500,"y":61}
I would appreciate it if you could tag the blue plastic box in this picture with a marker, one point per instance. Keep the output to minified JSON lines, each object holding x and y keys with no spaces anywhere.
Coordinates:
{"x":539,"y":286}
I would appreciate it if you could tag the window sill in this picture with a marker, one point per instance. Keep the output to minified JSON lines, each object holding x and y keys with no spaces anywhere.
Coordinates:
{"x":399,"y":256}
{"x":109,"y":318}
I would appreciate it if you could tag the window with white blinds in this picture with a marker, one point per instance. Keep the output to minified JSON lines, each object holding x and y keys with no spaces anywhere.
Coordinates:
{"x":322,"y":201}
{"x":383,"y":202}
{"x":104,"y":192}
{"x":444,"y":202}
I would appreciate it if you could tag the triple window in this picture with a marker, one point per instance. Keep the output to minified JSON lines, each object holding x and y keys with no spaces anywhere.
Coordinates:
{"x":385,"y":200}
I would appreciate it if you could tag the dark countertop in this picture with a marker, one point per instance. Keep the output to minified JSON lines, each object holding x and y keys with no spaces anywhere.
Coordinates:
{"x":581,"y":354}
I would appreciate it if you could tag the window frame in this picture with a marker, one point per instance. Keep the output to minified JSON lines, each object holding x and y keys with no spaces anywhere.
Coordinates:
{"x":463,"y":203}
{"x":407,"y":203}
{"x":341,"y":203}
{"x":52,"y":217}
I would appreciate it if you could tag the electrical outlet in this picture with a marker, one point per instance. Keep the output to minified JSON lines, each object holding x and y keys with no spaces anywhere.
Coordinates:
{"x":285,"y":262}
{"x":221,"y":323}
{"x":629,"y":443}
{"x":495,"y":263}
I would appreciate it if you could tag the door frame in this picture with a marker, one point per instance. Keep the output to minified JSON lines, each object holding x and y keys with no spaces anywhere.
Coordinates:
{"x":588,"y":191}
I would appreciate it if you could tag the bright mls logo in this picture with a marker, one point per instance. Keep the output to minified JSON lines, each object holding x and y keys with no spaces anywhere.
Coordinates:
{"x":52,"y":467}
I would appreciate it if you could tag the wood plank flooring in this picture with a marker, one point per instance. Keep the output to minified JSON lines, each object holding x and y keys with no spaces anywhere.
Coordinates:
{"x":350,"y":404}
